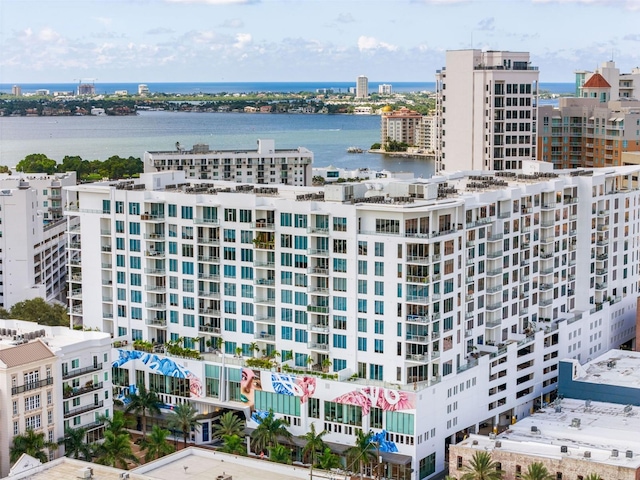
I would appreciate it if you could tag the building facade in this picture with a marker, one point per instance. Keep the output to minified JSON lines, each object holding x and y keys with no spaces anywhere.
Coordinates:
{"x":362,"y":87}
{"x":623,"y":85}
{"x":266,"y":164}
{"x":383,"y":300}
{"x":385,"y":89}
{"x":401,"y":126}
{"x":587,"y":132}
{"x":486,"y":110}
{"x":32,"y":237}
{"x":52,"y":378}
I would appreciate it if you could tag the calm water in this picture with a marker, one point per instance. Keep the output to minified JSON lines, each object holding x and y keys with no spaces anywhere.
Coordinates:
{"x":327,"y":136}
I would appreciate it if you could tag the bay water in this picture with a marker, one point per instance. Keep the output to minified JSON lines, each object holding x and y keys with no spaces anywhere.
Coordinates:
{"x":99,"y":137}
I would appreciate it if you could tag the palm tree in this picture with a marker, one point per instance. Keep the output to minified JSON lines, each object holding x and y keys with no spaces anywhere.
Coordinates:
{"x":116,"y":451}
{"x":228,"y":424}
{"x":280,"y":454}
{"x":362,"y":452}
{"x":593,"y":476}
{"x":268,"y":432}
{"x":254,"y":347}
{"x":313,"y":445}
{"x":233,"y":444}
{"x":184,"y":419}
{"x":32,"y":444}
{"x":75,"y":444}
{"x":118,"y":423}
{"x":142,"y":402}
{"x":156,"y":444}
{"x":536,"y":471}
{"x":328,"y":460}
{"x":482,"y":467}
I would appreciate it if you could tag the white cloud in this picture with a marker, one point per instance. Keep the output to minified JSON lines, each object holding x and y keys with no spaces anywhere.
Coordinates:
{"x":486,"y":24}
{"x":232,"y":23}
{"x":370,"y":43}
{"x":159,"y":31}
{"x":242,"y":40}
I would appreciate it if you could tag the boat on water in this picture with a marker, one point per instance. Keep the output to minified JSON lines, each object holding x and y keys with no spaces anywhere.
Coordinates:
{"x":354,"y":150}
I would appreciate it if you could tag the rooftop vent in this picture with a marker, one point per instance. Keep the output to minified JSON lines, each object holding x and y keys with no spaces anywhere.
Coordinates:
{"x":558,"y":409}
{"x":564,"y":449}
{"x":498,"y":443}
{"x":628,"y":409}
{"x":575,"y":423}
{"x":475,"y":442}
{"x":614,"y":452}
{"x":534,"y":428}
{"x":587,"y":454}
{"x":629,"y":454}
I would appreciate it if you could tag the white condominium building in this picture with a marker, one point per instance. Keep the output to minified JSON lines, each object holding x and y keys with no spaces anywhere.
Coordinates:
{"x":52,"y":378}
{"x":623,"y":85}
{"x":418,"y":309}
{"x":265,"y":164}
{"x":486,"y":109}
{"x":32,"y":237}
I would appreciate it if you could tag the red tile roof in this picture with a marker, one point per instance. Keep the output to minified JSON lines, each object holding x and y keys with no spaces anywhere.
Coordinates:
{"x":596,"y":81}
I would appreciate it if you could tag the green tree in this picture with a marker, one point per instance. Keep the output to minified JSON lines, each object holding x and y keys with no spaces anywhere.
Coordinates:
{"x":536,"y":471}
{"x":280,"y":454}
{"x":313,"y":445}
{"x":362,"y":452}
{"x":254,"y":347}
{"x":328,"y":460}
{"x":228,"y":424}
{"x":36,"y":163}
{"x":269,"y":431}
{"x":482,"y":467}
{"x":31,"y":443}
{"x":233,"y":444}
{"x":142,"y":402}
{"x":117,"y":424}
{"x":593,"y":476}
{"x":116,"y":451}
{"x":75,"y":444}
{"x":39,"y":311}
{"x":5,"y":169}
{"x":184,"y":418}
{"x":156,"y":444}
{"x":4,"y":313}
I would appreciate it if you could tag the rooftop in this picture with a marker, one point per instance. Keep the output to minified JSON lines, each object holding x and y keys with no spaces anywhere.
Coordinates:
{"x":19,"y":332}
{"x":596,"y":81}
{"x":16,"y":355}
{"x":607,"y":431}
{"x":615,"y":367}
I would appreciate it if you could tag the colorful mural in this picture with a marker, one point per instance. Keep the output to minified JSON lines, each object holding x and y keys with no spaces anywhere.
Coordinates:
{"x":160,"y":365}
{"x":385,"y":398}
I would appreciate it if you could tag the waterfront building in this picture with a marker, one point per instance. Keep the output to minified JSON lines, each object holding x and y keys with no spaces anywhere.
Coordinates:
{"x":571,"y":438}
{"x":86,"y":89}
{"x":52,"y":378}
{"x":143,"y":89}
{"x":383,"y":300}
{"x":623,"y":85}
{"x":332,"y":174}
{"x":385,"y":89}
{"x":32,"y":237}
{"x":265,"y":164}
{"x":486,"y":106}
{"x":587,"y":131}
{"x":362,"y":87}
{"x":400,"y":126}
{"x":426,"y":134}
{"x":16,"y":91}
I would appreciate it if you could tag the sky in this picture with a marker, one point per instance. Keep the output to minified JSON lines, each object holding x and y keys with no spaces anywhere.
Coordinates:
{"x":64,"y":41}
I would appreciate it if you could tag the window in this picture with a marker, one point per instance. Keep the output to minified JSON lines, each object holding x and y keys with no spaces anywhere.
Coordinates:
{"x":379,"y":250}
{"x":247,"y":326}
{"x":379,"y":327}
{"x":362,"y":267}
{"x":378,"y":345}
{"x":362,"y":305}
{"x":362,"y":344}
{"x":379,"y":269}
{"x":340,"y":322}
{"x":186,"y":212}
{"x":340,"y":265}
{"x":362,"y":287}
{"x":286,"y":332}
{"x":245,"y":216}
{"x":375,"y":372}
{"x":300,"y":221}
{"x":300,"y":242}
{"x":285,"y":219}
{"x":339,"y":224}
{"x":134,"y":228}
{"x":379,"y":307}
{"x":339,"y":341}
{"x":134,"y":208}
{"x":173,"y":210}
{"x":362,"y":324}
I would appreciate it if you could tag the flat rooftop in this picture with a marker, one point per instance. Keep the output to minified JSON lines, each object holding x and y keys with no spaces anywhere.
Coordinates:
{"x":615,"y":367}
{"x":17,"y":332}
{"x":602,"y":429}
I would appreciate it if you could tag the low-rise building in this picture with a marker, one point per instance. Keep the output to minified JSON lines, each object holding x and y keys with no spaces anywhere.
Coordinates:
{"x":265,"y":164}
{"x":52,"y":378}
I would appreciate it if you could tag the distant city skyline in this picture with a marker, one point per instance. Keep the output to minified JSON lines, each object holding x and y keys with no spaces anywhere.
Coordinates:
{"x":313,"y":40}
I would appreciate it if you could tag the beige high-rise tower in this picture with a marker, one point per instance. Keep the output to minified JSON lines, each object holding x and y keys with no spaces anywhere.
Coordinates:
{"x":362,"y":87}
{"x":486,"y":110}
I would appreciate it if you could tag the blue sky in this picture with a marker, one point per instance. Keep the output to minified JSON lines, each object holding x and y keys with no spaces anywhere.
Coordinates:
{"x":302,"y":40}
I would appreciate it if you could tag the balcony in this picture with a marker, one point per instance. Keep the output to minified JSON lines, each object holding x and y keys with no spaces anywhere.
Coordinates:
{"x":418,"y":299}
{"x":315,"y":252}
{"x":417,"y":279}
{"x":156,"y":305}
{"x":209,"y":329}
{"x":264,"y":301}
{"x":318,"y":346}
{"x":267,"y":282}
{"x":154,"y":253}
{"x":74,"y":392}
{"x":81,"y":410}
{"x":155,"y":271}
{"x":208,"y":294}
{"x":264,"y":264}
{"x":268,"y":337}
{"x":265,"y":319}
{"x":417,"y":319}
{"x":206,"y":221}
{"x":209,"y":241}
{"x":154,"y":236}
{"x":414,"y":357}
{"x":318,"y":327}
{"x":152,"y":218}
{"x":156,"y":322}
{"x":318,"y":230}
{"x":27,"y":387}
{"x":417,"y":338}
{"x":81,"y":371}
{"x":263,"y":225}
{"x":318,"y":271}
{"x":318,"y":309}
{"x":318,"y":290}
{"x":208,"y":259}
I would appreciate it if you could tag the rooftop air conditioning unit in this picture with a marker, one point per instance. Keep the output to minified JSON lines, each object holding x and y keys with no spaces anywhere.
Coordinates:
{"x":498,"y":443}
{"x":534,"y":429}
{"x":85,"y":473}
{"x":475,"y":442}
{"x":587,"y":454}
{"x":124,"y":475}
{"x":614,"y":452}
{"x":564,"y":449}
{"x":629,"y":454}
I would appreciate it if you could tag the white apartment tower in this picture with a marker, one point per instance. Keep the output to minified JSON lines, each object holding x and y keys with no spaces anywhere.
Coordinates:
{"x":32,"y":237}
{"x":396,"y":306}
{"x":265,"y":164}
{"x":486,"y":108}
{"x":362,"y":87}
